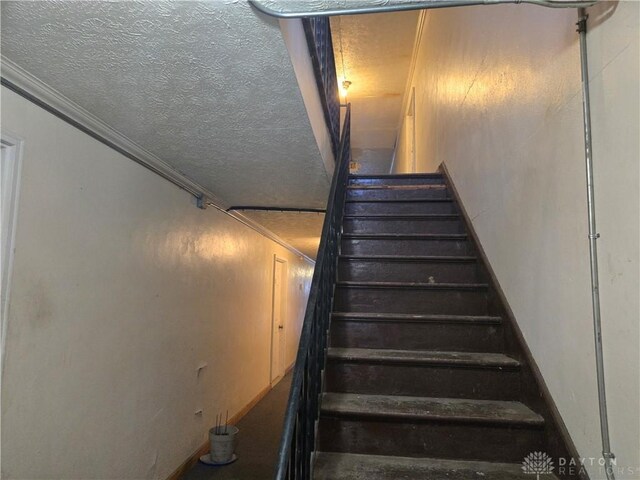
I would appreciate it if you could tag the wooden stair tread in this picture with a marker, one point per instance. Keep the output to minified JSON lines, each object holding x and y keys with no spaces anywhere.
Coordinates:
{"x":350,"y":466}
{"x":410,"y":318}
{"x":392,"y":176}
{"x":422,"y":357}
{"x":411,"y":258}
{"x":412,"y":409}
{"x":414,"y":285}
{"x":438,"y":186}
{"x":399,"y":200}
{"x":403,"y":216}
{"x":405,"y":236}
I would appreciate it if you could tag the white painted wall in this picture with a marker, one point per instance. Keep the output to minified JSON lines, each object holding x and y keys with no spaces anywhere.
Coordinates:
{"x":498,"y":100}
{"x":296,"y":43}
{"x":121,"y":290}
{"x":371,"y":161}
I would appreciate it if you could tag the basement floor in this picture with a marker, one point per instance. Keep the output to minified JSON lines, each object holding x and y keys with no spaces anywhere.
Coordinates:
{"x":258,"y":441}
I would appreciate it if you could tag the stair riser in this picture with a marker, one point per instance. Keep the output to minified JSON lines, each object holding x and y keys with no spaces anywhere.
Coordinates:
{"x":388,"y":271}
{"x":429,"y":439}
{"x":417,"y":301}
{"x":436,"y":191}
{"x":402,"y":225}
{"x":379,"y":208}
{"x":403,"y":180}
{"x":417,"y":336}
{"x":368,"y":246}
{"x":427,"y":381}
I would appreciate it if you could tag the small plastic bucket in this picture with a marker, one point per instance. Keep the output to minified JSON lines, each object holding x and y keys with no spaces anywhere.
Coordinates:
{"x":223,"y":445}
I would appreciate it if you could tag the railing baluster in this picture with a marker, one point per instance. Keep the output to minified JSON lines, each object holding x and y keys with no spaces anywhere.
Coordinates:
{"x":318,"y":33}
{"x":303,"y":408}
{"x":298,"y":438}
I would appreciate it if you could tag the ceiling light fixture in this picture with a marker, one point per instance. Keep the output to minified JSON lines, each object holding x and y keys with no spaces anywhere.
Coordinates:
{"x":345,"y":87}
{"x":345,"y":83}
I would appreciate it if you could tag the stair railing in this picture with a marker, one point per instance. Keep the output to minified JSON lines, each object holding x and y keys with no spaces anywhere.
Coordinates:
{"x":299,"y":433}
{"x":318,"y":34}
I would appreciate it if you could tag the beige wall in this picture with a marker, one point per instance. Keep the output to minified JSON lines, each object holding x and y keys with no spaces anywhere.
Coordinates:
{"x":122,"y":288}
{"x":371,"y":161}
{"x":498,"y":100}
{"x":296,"y":42}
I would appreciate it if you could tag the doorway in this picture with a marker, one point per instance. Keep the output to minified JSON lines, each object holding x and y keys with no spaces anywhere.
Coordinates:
{"x":278,"y":316}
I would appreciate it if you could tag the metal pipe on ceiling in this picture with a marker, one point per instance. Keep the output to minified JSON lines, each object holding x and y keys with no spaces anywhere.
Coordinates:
{"x":418,"y":5}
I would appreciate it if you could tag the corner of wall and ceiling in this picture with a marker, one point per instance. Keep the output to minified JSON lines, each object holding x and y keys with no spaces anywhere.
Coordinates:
{"x":27,"y":85}
{"x":295,"y":42}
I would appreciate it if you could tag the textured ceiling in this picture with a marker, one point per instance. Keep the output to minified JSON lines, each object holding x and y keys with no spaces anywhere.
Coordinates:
{"x":206,"y":86}
{"x":377,"y":51}
{"x":302,"y":230}
{"x":374,"y":53}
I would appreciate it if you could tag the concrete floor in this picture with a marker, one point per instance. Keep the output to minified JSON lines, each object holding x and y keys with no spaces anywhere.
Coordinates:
{"x":258,"y":441}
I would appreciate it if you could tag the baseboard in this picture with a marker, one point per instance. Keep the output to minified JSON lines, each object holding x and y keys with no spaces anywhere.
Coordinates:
{"x":189,"y":462}
{"x":179,"y":472}
{"x":552,"y":413}
{"x":238,"y":416}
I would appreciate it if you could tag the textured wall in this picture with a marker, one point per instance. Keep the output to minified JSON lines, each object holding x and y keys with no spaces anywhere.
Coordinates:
{"x":121,"y":290}
{"x":503,"y":111}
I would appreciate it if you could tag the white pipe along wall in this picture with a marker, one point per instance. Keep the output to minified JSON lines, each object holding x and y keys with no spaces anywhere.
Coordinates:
{"x":503,"y":112}
{"x":122,"y":289}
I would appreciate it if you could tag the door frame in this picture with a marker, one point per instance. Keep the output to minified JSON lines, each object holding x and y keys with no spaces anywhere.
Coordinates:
{"x":10,"y":173}
{"x":274,"y":377}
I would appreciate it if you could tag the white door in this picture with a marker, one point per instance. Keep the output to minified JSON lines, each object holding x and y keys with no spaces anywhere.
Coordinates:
{"x":411,"y":131}
{"x":278,"y":319}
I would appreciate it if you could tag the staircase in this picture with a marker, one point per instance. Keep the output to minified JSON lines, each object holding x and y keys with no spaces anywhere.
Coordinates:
{"x":424,"y":378}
